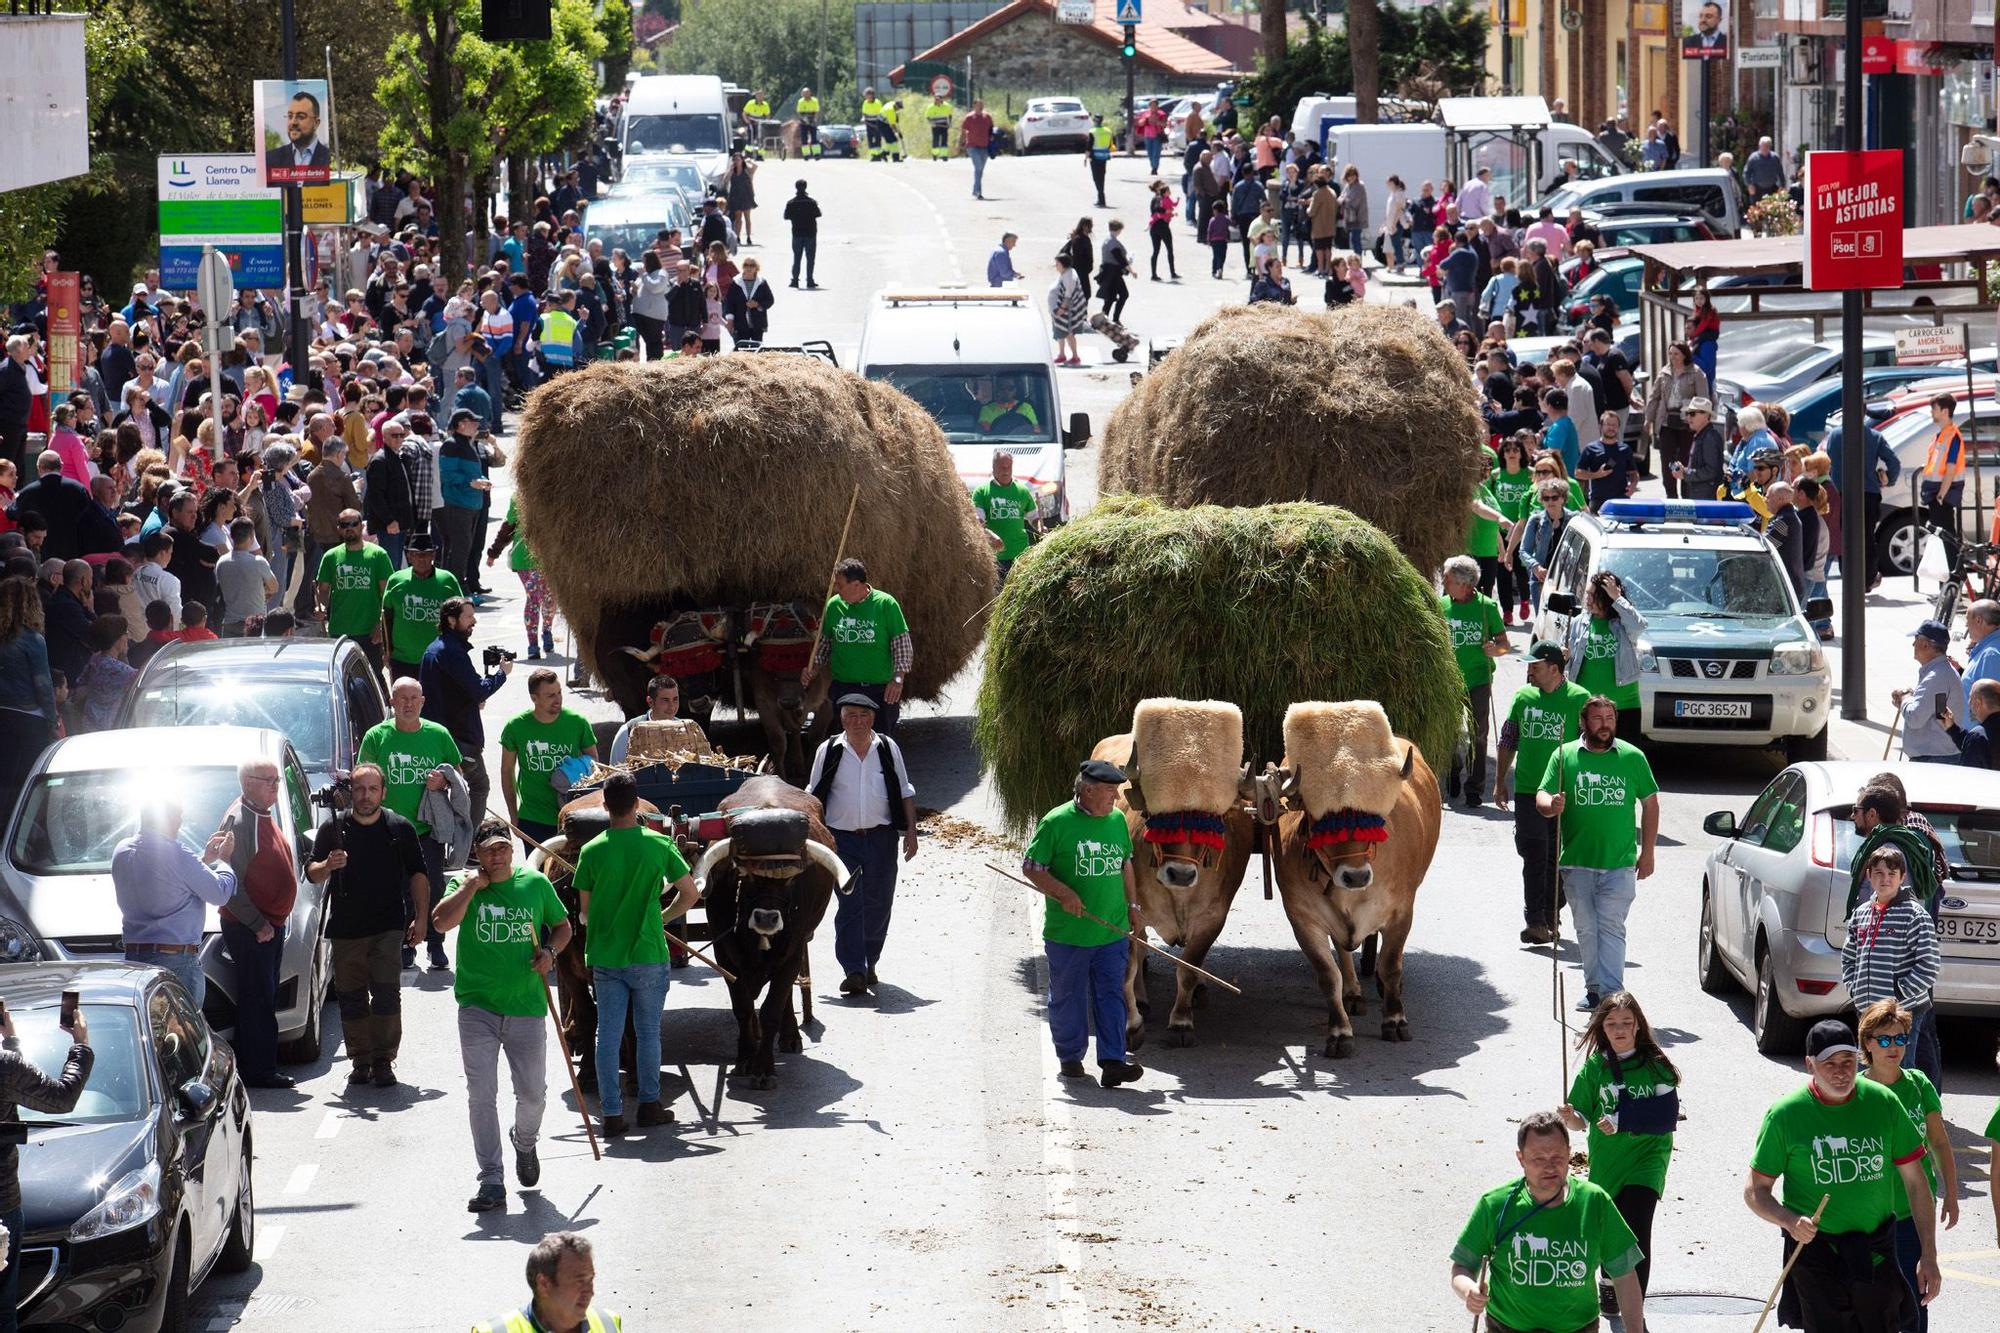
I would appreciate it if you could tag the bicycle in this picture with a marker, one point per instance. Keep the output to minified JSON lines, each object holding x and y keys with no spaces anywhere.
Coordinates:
{"x":1975,"y":575}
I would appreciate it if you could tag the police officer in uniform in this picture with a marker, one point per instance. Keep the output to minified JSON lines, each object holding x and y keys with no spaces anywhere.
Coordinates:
{"x":872,"y":121}
{"x":938,"y":113}
{"x":755,"y":112}
{"x":561,"y":1280}
{"x":808,"y":107}
{"x":1100,"y":155}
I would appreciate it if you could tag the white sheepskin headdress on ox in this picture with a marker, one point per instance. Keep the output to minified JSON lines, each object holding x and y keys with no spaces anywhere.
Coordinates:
{"x":1345,"y":755}
{"x":1187,"y":753}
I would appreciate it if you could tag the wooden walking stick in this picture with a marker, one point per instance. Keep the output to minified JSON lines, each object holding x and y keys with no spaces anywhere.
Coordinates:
{"x":1482,"y":1290}
{"x":820,"y":625}
{"x":1772,"y":1300}
{"x":542,"y":847}
{"x":1132,"y":935}
{"x":569,"y":1065}
{"x":1890,"y":739}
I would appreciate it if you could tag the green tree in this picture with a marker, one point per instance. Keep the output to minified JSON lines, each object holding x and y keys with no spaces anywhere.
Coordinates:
{"x":771,"y":46}
{"x":1447,"y":43}
{"x":614,"y":25}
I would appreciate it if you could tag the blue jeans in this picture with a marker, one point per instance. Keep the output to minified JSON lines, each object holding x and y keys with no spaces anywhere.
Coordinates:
{"x":1925,"y":1054}
{"x":861,"y":918}
{"x":978,"y":156}
{"x":1817,"y":588}
{"x":642,"y":989}
{"x":184,"y":964}
{"x":10,"y":1281}
{"x":1599,"y":900}
{"x":494,"y":382}
{"x":392,"y":544}
{"x":1153,"y":147}
{"x":256,"y":1039}
{"x":1087,"y":989}
{"x":1908,"y":1250}
{"x":805,"y":246}
{"x":280,"y":561}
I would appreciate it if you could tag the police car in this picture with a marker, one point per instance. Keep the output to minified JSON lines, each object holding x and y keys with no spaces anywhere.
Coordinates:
{"x":1728,"y":657}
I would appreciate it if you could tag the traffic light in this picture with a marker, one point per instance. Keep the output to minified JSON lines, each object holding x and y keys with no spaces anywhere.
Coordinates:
{"x":1131,"y":48}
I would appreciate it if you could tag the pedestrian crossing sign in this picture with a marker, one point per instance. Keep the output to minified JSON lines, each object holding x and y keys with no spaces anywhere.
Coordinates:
{"x":1128,"y":11}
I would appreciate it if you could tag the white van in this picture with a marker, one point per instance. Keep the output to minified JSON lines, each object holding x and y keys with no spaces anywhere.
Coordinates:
{"x":979,"y":362}
{"x":1707,"y":190}
{"x":1318,"y":114}
{"x":1419,"y":153}
{"x":679,"y":113}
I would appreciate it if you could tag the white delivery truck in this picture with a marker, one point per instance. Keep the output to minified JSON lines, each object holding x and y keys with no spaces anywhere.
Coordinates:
{"x":979,"y":362}
{"x":679,"y":113}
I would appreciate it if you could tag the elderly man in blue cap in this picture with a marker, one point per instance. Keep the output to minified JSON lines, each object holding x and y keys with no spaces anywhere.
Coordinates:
{"x":1925,"y":706}
{"x":1081,"y":857}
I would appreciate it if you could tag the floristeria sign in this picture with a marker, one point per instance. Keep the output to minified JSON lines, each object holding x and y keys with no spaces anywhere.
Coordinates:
{"x":1854,"y":220}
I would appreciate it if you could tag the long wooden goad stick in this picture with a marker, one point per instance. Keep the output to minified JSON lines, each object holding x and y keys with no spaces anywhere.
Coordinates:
{"x":1786,"y":1272}
{"x":672,"y":938}
{"x":813,"y":656}
{"x":1132,"y":935}
{"x":569,"y":1066}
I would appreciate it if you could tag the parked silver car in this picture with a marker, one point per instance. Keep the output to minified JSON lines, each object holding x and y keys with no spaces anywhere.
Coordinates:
{"x":83,"y":799}
{"x":1774,"y":893}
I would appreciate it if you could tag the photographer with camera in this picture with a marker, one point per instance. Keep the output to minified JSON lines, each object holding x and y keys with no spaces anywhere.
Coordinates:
{"x":379,"y":904}
{"x":454,"y":691}
{"x":417,"y":758}
{"x":21,"y":1084}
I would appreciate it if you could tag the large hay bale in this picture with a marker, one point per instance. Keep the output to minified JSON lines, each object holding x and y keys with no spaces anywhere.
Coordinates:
{"x":715,"y":481}
{"x":1262,"y":607}
{"x":1365,"y":406}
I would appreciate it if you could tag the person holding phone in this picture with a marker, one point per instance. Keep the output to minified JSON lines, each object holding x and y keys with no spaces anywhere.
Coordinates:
{"x":164,"y":891}
{"x":22,"y":1084}
{"x":1925,"y":738}
{"x":1975,"y":745}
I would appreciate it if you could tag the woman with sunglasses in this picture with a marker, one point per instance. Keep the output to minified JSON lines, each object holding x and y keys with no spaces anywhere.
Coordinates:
{"x":1892,"y":950}
{"x":1885,"y":1040}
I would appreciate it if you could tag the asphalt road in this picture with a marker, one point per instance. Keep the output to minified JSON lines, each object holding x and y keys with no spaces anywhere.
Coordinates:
{"x":920,"y":1166}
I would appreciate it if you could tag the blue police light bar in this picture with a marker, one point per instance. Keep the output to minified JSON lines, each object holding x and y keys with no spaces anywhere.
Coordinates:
{"x":1702,"y":513}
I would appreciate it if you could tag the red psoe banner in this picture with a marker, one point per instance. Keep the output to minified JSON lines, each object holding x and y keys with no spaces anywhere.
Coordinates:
{"x":1854,"y":220}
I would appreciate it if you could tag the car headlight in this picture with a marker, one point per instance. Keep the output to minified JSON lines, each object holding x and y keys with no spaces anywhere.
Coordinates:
{"x":133,"y":1201}
{"x":1797,"y":659}
{"x":17,"y":943}
{"x":1647,"y":661}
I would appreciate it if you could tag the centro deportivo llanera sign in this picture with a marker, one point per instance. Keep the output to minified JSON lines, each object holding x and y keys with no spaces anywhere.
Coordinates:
{"x":1854,"y":220}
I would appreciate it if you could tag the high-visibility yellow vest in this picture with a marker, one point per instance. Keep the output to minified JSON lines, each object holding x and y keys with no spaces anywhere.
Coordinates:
{"x":808,"y":106}
{"x":938,"y":111}
{"x":759,"y":110}
{"x":871,"y":109}
{"x":1101,"y":140}
{"x":559,"y":338}
{"x":889,"y":113}
{"x":1946,"y":462}
{"x":517,"y":1321}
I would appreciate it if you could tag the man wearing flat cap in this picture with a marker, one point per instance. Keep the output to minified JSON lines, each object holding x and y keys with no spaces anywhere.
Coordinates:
{"x":1839,"y":1145}
{"x":1081,"y":857}
{"x":870,"y":805}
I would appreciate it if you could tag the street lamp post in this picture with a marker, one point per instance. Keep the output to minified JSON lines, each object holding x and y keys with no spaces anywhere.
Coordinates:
{"x":295,"y":256}
{"x":1854,"y":461}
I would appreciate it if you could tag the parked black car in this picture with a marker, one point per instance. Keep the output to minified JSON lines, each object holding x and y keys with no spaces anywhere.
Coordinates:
{"x":133,"y":1198}
{"x":839,"y":141}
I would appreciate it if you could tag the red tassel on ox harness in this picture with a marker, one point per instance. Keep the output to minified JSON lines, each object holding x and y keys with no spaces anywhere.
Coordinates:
{"x":1347,"y":826}
{"x":1192,"y":826}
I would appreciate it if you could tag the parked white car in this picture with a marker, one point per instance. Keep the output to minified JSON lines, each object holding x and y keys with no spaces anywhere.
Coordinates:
{"x":1053,"y":123}
{"x":1774,"y":893}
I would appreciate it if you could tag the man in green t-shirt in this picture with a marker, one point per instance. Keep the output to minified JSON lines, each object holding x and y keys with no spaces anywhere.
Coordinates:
{"x":1478,"y":635}
{"x":864,"y":644}
{"x":413,"y":755}
{"x":411,"y":601}
{"x":1843,"y":1140}
{"x":1530,"y":1255}
{"x":1081,"y":857}
{"x":533,"y":745}
{"x":1593,"y":785}
{"x":513,"y":926}
{"x":1009,"y":512}
{"x":621,"y":875}
{"x":348,"y":586}
{"x":1546,"y":712}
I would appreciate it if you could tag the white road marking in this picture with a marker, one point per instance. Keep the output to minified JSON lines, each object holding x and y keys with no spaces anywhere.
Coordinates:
{"x":329,"y":1126}
{"x":267,"y":1243}
{"x":1059,"y":1183}
{"x":302,"y":1178}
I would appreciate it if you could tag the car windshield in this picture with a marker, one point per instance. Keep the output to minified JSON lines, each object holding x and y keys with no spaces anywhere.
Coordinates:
{"x":296,"y":709}
{"x":674,"y":133}
{"x":1689,"y":581}
{"x":975,"y":403}
{"x":71,"y":822}
{"x":1563,"y":200}
{"x":1971,"y":840}
{"x":1786,"y":360}
{"x":117,"y":1089}
{"x":634,"y":238}
{"x":681,"y":173}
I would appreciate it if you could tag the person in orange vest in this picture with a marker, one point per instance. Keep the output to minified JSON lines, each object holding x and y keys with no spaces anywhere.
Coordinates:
{"x":1944,"y":472}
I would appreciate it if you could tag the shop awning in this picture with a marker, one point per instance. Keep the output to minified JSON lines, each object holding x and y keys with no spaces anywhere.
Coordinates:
{"x":1960,"y":244}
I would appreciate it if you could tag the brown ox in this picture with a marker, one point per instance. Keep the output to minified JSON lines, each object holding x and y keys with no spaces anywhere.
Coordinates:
{"x":1374,"y":803}
{"x":1181,"y":758}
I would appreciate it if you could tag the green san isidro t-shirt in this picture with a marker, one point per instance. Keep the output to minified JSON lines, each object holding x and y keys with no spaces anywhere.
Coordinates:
{"x":1919,"y":1098}
{"x":519,"y":557}
{"x":1845,"y":1153}
{"x":1472,"y":622}
{"x":1006,"y":510}
{"x":356,"y":580}
{"x":1482,"y":535}
{"x":1624,"y":1158}
{"x":859,"y":636}
{"x":1599,"y":672}
{"x":1514,"y":491}
{"x":1601,"y":791}
{"x":413,"y":605}
{"x":1543,"y":720}
{"x":497,"y":941}
{"x":406,"y":759}
{"x":538,"y":747}
{"x":1088,"y":854}
{"x":624,"y":870}
{"x":1545,"y":1261}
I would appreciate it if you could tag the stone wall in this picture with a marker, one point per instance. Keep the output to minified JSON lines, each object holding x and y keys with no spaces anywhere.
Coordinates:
{"x":1037,"y":56}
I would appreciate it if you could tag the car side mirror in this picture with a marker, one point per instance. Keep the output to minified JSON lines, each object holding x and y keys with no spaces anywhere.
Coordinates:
{"x":195,"y":1099}
{"x":1721,"y":824}
{"x":1560,"y":604}
{"x":1078,"y":434}
{"x":1819,"y":608}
